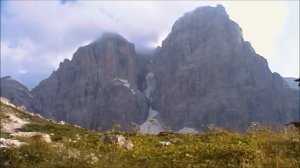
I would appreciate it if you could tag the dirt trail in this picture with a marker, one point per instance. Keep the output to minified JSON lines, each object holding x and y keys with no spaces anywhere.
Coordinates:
{"x":12,"y":123}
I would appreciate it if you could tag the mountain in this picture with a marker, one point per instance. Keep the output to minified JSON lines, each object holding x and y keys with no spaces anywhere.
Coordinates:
{"x":98,"y":87}
{"x":207,"y":74}
{"x":18,"y":94}
{"x":204,"y":74}
{"x":291,"y":82}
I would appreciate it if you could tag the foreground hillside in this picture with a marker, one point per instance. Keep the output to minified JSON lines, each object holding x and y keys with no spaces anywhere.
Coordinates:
{"x":62,"y":145}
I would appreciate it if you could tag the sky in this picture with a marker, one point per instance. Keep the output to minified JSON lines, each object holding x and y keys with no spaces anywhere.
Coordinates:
{"x":37,"y":35}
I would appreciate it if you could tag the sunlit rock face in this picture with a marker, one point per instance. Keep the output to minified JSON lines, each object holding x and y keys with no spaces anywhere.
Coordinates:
{"x":97,"y":88}
{"x":207,"y":74}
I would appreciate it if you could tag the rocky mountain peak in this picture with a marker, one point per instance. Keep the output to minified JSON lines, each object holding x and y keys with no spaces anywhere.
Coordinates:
{"x":99,"y":83}
{"x":111,"y":54}
{"x":206,"y":24}
{"x":207,"y":74}
{"x":110,"y":41}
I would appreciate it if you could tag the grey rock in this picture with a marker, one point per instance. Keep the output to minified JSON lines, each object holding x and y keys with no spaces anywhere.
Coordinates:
{"x":128,"y":145}
{"x":119,"y":140}
{"x":206,"y":73}
{"x":98,"y":88}
{"x":10,"y":143}
{"x":164,"y":143}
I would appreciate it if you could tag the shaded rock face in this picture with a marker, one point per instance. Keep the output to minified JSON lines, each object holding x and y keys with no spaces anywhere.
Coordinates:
{"x":143,"y":63}
{"x":97,"y":88}
{"x":207,"y":74}
{"x":18,"y":94}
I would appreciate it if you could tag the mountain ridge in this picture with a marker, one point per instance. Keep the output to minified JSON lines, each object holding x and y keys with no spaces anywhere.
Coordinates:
{"x":204,"y":73}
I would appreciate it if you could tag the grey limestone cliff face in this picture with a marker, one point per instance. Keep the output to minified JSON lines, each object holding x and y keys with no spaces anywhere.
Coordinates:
{"x":18,"y":94}
{"x":207,"y":74}
{"x":97,"y":88}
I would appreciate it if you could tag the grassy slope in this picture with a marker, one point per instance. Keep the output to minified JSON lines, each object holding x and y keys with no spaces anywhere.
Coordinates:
{"x":77,"y":147}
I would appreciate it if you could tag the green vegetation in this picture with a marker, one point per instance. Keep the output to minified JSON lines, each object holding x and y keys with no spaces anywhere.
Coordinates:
{"x":74,"y":147}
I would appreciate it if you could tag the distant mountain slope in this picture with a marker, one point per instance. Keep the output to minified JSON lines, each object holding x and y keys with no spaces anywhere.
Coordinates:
{"x":18,"y":94}
{"x":291,"y":82}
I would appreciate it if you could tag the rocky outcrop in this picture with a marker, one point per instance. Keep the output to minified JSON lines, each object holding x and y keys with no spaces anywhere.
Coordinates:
{"x":119,"y":140}
{"x":98,"y":88}
{"x":18,"y":94}
{"x":207,"y":74}
{"x":10,"y":143}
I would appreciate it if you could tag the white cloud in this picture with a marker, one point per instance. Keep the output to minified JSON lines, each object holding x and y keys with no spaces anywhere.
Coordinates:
{"x":22,"y":71}
{"x":260,"y":21}
{"x":12,"y":53}
{"x":285,"y":56}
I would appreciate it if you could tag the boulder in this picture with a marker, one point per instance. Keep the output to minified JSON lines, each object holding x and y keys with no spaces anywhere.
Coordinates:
{"x":119,"y":140}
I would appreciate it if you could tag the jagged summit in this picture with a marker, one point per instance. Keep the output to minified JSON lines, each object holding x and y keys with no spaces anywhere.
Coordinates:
{"x":218,"y":11}
{"x":203,"y":14}
{"x":112,"y":41}
{"x":97,"y":47}
{"x":205,"y":25}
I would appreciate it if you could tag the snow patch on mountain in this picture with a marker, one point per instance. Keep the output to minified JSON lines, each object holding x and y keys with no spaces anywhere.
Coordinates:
{"x":125,"y":83}
{"x":152,"y":125}
{"x":187,"y":130}
{"x":150,"y":84}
